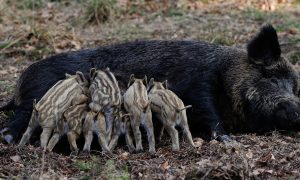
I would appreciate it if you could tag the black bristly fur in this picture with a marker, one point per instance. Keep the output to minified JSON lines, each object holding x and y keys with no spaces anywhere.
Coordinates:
{"x":265,"y":47}
{"x":214,"y":79}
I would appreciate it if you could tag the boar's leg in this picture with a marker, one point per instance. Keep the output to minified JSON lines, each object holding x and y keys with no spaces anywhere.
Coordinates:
{"x":174,"y":136}
{"x":205,"y":113}
{"x":17,"y":123}
{"x":88,"y":130}
{"x":45,"y":136}
{"x":148,"y":125}
{"x":101,"y":132}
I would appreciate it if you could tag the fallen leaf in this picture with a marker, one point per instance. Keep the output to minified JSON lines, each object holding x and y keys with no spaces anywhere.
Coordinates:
{"x":249,"y":154}
{"x":263,"y":161}
{"x":198,"y":142}
{"x":165,"y":166}
{"x":203,"y":162}
{"x":214,"y":142}
{"x":15,"y":158}
{"x":124,"y":156}
{"x":258,"y":171}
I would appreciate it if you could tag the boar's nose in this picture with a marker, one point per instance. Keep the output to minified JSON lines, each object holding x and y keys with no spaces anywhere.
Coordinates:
{"x":288,"y":113}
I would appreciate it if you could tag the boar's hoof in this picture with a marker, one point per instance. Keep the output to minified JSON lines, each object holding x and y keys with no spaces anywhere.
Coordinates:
{"x":7,"y":138}
{"x":224,"y":138}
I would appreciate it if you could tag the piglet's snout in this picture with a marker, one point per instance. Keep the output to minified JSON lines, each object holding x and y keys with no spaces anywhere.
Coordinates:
{"x":95,"y":107}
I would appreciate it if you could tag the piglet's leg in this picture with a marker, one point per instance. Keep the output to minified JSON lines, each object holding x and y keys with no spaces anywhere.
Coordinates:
{"x":129,"y":142}
{"x":72,"y":137}
{"x":54,"y":140}
{"x":79,"y":99}
{"x":184,"y":125}
{"x":113,"y":142}
{"x":150,"y":132}
{"x":88,"y":131}
{"x":174,"y":136}
{"x":26,"y":136}
{"x":161,"y":133}
{"x":101,"y":132}
{"x":135,"y":124}
{"x":45,"y":136}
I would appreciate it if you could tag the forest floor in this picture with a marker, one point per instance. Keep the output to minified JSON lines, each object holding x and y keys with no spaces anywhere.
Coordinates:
{"x":31,"y":30}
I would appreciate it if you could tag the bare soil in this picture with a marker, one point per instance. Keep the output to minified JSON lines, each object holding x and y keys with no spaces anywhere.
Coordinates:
{"x":29,"y":33}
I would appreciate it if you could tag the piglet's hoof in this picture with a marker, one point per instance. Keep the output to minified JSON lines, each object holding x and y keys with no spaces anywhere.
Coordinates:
{"x":74,"y":153}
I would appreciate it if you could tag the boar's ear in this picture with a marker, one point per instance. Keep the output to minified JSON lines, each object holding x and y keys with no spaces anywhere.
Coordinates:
{"x":150,"y":84}
{"x":264,"y":49}
{"x":145,"y":81}
{"x":107,"y":69}
{"x":131,"y":80}
{"x":93,"y":73}
{"x":80,"y":78}
{"x":165,"y":84}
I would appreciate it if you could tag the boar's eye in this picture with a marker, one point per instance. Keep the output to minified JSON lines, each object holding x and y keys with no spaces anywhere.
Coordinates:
{"x":273,"y":80}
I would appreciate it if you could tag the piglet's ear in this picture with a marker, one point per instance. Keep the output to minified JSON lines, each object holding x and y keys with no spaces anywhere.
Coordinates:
{"x":93,"y":73}
{"x":131,"y":80}
{"x":68,"y":75}
{"x":165,"y":84}
{"x":145,"y":81}
{"x":81,"y":79}
{"x":34,"y":104}
{"x":264,"y":48}
{"x":150,"y":84}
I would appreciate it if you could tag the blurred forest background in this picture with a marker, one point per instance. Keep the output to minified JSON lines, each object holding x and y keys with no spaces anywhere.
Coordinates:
{"x":34,"y":29}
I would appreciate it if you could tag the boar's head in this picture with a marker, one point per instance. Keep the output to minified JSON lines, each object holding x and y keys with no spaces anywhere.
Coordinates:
{"x":273,"y":99}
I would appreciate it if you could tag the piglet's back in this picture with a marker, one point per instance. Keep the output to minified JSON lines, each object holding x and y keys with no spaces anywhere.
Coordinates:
{"x":163,"y":97}
{"x":60,"y":96}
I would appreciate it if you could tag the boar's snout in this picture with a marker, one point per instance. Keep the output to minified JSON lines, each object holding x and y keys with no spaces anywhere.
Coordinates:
{"x":287,"y":115}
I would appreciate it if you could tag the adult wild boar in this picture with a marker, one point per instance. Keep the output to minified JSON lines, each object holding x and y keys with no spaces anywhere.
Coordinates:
{"x":256,"y":85}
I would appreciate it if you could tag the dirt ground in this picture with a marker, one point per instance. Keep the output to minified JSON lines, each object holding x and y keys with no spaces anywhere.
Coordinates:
{"x":31,"y":30}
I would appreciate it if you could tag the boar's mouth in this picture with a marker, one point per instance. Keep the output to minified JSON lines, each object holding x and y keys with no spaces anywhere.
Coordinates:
{"x":287,"y":116}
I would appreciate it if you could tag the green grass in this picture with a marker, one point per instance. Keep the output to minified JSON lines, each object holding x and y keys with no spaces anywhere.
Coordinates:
{"x":100,"y":11}
{"x":294,"y":57}
{"x":88,"y":165}
{"x":7,"y":87}
{"x":111,"y":172}
{"x":255,"y":14}
{"x":106,"y":171}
